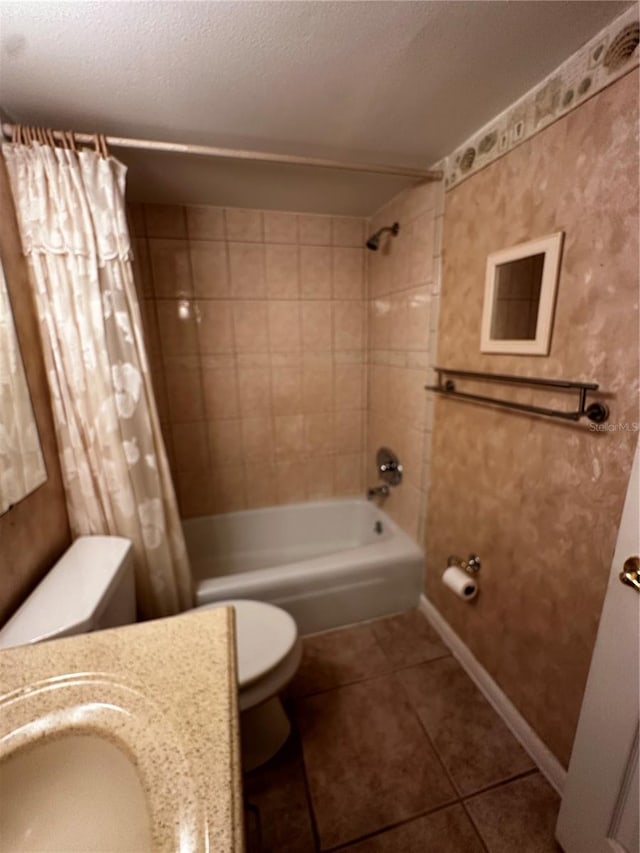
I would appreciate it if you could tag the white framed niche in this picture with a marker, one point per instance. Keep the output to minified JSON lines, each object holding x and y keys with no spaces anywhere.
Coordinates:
{"x":519,"y":297}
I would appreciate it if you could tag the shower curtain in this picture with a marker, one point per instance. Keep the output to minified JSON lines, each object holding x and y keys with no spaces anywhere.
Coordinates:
{"x":71,"y":214}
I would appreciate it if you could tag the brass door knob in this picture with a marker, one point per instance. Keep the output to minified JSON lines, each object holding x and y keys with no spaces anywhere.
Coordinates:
{"x":630,"y":574}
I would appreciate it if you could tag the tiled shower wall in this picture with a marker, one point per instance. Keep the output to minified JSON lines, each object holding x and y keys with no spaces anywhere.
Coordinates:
{"x":403,"y":298}
{"x":255,"y":325}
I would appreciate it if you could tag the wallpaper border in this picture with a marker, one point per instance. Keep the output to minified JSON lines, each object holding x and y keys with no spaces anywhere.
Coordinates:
{"x":605,"y":58}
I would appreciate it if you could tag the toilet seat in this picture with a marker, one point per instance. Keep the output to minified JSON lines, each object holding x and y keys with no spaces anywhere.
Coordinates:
{"x":267,"y":640}
{"x":269,"y":653}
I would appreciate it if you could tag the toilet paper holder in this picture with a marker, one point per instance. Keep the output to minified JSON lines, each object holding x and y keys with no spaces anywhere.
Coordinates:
{"x":472,"y":566}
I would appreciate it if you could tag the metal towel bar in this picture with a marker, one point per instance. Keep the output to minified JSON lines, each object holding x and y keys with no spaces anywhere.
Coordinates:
{"x":597,"y":412}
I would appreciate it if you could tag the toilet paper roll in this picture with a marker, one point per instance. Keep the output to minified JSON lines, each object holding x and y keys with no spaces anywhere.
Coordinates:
{"x":460,"y":582}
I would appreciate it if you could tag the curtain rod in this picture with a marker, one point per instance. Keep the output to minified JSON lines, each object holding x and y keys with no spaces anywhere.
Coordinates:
{"x":240,"y":154}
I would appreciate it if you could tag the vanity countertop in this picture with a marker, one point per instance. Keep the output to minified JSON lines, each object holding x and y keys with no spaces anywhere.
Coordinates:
{"x":164,"y":692}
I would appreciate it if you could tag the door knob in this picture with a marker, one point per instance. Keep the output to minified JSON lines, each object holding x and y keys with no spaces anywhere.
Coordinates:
{"x":630,"y":574}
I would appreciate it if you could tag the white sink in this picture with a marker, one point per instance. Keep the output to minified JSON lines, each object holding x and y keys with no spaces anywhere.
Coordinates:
{"x":89,"y":763}
{"x":123,"y":740}
{"x":73,"y":792}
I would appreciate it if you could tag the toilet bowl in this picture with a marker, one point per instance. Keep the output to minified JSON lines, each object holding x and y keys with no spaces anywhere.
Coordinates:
{"x":268,"y":652}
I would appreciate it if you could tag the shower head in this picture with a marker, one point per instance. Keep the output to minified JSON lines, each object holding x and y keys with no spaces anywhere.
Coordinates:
{"x":373,"y":242}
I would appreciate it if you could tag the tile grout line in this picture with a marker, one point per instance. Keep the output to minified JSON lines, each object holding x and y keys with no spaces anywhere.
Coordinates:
{"x":164,"y":355}
{"x":307,"y":790}
{"x":429,"y":739}
{"x":444,"y":766}
{"x":369,"y":624}
{"x":321,"y":691}
{"x":539,"y":753}
{"x":428,"y":813}
{"x":460,"y":798}
{"x":395,"y":668}
{"x":493,"y":785}
{"x":392,"y":672}
{"x":198,"y":340}
{"x":479,"y":835}
{"x":463,"y":799}
{"x":234,"y":353}
{"x":483,"y":790}
{"x":270,"y":372}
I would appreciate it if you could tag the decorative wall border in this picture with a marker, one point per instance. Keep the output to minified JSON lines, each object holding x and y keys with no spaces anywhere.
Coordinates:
{"x":609,"y":55}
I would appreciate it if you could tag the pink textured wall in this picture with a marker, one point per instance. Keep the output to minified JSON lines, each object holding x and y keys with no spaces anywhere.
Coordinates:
{"x":539,"y":500}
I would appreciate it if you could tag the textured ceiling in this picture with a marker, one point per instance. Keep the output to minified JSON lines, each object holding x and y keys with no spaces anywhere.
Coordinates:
{"x":396,"y":82}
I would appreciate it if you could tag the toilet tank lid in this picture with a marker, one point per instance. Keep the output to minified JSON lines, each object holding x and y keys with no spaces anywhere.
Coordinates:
{"x":67,"y":598}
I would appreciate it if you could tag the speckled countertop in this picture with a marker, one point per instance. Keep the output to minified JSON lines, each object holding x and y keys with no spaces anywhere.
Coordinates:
{"x":164,"y":692}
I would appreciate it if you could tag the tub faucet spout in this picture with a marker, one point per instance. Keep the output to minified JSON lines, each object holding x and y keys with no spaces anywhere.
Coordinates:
{"x":378,"y":491}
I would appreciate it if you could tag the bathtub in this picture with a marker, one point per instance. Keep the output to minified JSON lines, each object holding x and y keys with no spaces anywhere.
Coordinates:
{"x":328,"y":563}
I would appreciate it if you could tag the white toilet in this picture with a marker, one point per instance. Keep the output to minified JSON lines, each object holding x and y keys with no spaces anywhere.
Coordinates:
{"x":91,"y":587}
{"x":269,"y":652}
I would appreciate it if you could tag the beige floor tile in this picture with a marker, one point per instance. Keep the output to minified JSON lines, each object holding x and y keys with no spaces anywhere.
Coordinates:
{"x":337,"y":658}
{"x":368,"y":762}
{"x":520,"y":816}
{"x":445,"y":831}
{"x":408,"y":639}
{"x":472,"y":741}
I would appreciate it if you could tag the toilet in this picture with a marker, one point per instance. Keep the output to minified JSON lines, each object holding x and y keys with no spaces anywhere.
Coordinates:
{"x":91,"y":588}
{"x":268,"y":652}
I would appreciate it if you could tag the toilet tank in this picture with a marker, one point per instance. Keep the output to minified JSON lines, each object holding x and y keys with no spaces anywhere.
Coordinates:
{"x":89,"y":588}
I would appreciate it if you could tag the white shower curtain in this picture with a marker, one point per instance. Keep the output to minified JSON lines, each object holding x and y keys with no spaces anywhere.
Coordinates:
{"x":71,"y":213}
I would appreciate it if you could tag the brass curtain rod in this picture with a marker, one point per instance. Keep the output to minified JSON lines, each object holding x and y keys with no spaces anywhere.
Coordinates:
{"x":240,"y":154}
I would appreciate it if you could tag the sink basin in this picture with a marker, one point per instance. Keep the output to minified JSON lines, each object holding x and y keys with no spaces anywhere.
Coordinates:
{"x":123,"y":740}
{"x":72,"y":793}
{"x":83,"y":767}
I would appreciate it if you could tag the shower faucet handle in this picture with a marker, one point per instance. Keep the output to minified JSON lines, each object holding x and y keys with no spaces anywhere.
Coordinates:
{"x":389,"y":466}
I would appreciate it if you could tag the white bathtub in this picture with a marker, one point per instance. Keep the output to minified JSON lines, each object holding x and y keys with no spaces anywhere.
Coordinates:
{"x":324,"y":562}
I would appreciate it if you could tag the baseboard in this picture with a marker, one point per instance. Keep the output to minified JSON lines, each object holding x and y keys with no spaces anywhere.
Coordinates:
{"x":543,"y":757}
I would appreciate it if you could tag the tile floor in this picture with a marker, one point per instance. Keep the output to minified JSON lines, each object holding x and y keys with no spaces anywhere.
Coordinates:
{"x":394,"y":750}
